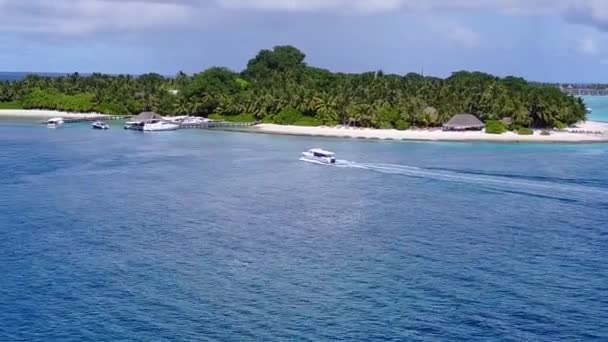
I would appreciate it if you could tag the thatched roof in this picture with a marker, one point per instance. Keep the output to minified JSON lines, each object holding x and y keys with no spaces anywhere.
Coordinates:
{"x":146,"y":116}
{"x":463,"y":122}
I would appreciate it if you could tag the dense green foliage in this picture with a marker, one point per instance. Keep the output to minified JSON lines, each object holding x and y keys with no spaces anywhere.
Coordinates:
{"x":278,"y":86}
{"x":234,"y":118}
{"x":11,"y":105}
{"x":495,"y":127}
{"x":559,"y":125}
{"x":525,"y":131}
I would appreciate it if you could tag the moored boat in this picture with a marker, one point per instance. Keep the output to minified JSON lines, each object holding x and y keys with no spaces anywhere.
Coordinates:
{"x":159,"y":126}
{"x":54,"y":122}
{"x":100,"y":125}
{"x":317,"y":155}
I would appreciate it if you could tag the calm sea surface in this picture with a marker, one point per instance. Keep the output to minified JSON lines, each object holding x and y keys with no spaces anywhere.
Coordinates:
{"x":206,"y":235}
{"x":599,"y":107}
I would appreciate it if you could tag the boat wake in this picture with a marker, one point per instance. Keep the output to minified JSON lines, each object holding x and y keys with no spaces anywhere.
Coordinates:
{"x":315,"y":162}
{"x":551,"y":188}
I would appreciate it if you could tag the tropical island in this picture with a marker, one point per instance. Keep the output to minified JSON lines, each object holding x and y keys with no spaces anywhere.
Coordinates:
{"x":279,"y":88}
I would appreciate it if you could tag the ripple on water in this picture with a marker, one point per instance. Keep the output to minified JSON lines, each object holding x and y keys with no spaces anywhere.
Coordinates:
{"x":228,"y":236}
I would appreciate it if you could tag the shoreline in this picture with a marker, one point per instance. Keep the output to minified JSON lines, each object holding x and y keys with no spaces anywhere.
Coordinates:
{"x":44,"y":113}
{"x":442,"y":136}
{"x":422,"y":135}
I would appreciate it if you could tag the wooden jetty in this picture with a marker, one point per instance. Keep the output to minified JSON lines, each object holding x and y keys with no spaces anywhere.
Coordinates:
{"x":219,"y":124}
{"x":91,"y":119}
{"x":587,"y":92}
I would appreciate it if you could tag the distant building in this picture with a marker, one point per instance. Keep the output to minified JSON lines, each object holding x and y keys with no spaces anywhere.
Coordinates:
{"x":146,"y":117}
{"x":464,"y":122}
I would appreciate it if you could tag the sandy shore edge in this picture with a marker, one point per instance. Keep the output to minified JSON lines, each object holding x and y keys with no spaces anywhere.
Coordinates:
{"x":569,"y":136}
{"x":573,"y":135}
{"x":40,"y":113}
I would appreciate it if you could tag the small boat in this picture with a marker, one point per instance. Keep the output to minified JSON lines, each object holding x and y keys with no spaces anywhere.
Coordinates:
{"x":159,"y":126}
{"x":195,"y":121}
{"x":175,"y":119}
{"x":317,"y":155}
{"x":54,"y":122}
{"x":100,"y":125}
{"x":135,"y":126}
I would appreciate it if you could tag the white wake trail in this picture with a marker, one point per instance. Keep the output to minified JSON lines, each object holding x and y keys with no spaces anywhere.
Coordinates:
{"x":532,"y":187}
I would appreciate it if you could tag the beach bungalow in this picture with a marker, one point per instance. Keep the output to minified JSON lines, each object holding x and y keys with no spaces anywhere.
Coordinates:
{"x":146,"y":117}
{"x":464,"y":122}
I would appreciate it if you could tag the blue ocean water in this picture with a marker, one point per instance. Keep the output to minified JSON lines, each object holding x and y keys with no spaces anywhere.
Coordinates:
{"x":599,"y":107}
{"x":207,"y":235}
{"x":18,"y":76}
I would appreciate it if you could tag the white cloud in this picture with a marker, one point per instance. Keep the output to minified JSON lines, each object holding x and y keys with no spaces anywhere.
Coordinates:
{"x":455,"y":33}
{"x":588,"y":46}
{"x":586,"y":12}
{"x":507,"y":6}
{"x":70,"y":17}
{"x":80,"y":17}
{"x":464,"y":36}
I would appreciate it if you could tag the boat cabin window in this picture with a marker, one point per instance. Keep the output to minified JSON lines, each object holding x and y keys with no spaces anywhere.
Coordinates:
{"x":321,"y":155}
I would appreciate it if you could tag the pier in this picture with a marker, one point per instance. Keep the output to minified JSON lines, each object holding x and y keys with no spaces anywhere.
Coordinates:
{"x":91,"y":119}
{"x":587,"y":92}
{"x":219,"y":124}
{"x":585,"y":89}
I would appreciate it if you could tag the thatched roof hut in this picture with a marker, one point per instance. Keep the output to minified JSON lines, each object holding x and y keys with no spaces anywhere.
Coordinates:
{"x":146,"y":116}
{"x":464,"y":122}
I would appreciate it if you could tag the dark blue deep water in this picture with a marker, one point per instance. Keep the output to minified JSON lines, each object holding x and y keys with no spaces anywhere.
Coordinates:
{"x":206,"y":235}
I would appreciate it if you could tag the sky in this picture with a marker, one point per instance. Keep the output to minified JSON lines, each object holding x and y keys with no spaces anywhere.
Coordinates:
{"x":542,"y":40}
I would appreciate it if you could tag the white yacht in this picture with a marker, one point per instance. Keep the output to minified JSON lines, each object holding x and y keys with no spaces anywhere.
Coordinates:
{"x":317,"y":155}
{"x":159,"y":125}
{"x":100,"y":125}
{"x":175,"y":119}
{"x":135,"y":126}
{"x":194,"y":120}
{"x":54,"y":122}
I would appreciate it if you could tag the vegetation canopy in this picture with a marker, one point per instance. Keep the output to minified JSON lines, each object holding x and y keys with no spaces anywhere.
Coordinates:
{"x":278,"y":86}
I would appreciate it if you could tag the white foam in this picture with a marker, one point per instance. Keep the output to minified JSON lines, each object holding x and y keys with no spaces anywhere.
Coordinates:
{"x":534,"y":187}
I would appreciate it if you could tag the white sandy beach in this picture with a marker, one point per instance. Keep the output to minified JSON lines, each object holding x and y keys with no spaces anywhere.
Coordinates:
{"x":39,"y":113}
{"x":438,"y":135}
{"x":572,"y":135}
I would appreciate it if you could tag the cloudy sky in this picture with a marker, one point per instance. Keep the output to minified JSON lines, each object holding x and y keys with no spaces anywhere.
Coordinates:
{"x":549,"y":40}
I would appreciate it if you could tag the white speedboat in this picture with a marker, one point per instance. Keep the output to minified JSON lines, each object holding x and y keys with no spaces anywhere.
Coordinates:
{"x":54,"y":122}
{"x":317,"y":155}
{"x":159,"y":126}
{"x":135,"y":126}
{"x":193,"y":120}
{"x":175,"y":119}
{"x":100,"y":125}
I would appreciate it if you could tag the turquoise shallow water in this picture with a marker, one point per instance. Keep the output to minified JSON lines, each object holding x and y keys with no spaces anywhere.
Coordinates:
{"x":599,"y":106}
{"x":205,"y":235}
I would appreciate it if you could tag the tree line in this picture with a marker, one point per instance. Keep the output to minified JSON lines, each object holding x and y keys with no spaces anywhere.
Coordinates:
{"x":278,"y":86}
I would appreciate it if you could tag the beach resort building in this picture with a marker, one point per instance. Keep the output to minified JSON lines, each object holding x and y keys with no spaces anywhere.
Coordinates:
{"x":464,"y":122}
{"x":146,"y":117}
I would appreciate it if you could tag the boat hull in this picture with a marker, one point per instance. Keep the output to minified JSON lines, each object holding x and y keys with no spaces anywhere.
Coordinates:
{"x":309,"y":157}
{"x":101,"y":127}
{"x":160,"y":127}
